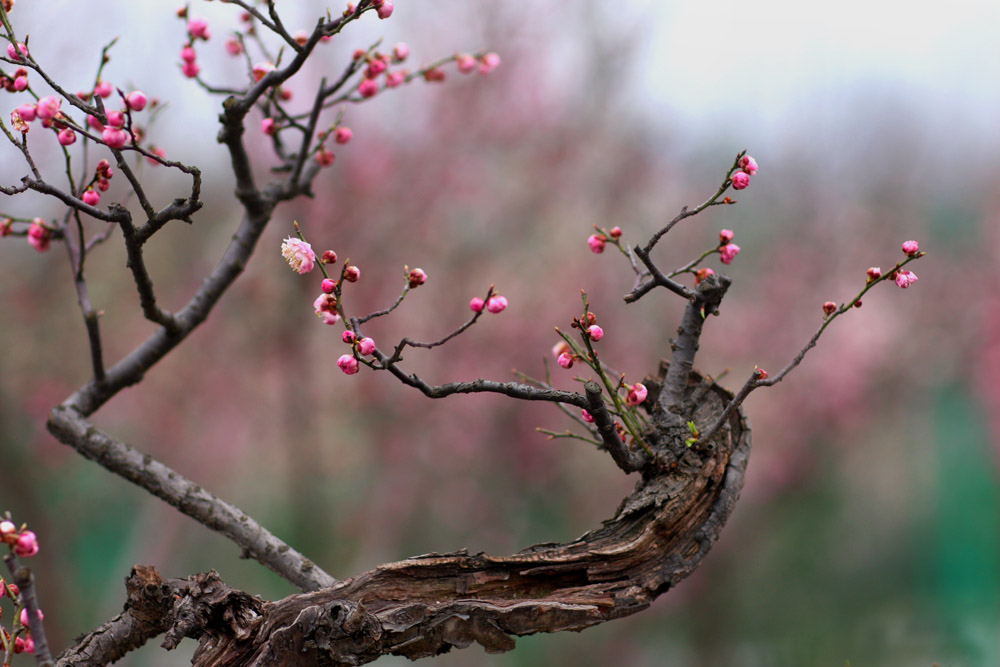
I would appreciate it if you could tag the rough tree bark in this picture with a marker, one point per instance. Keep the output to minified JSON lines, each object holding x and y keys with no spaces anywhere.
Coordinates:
{"x":427,"y":605}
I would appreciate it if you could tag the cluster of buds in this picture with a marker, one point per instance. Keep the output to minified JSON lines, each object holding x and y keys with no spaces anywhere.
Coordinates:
{"x":588,"y":325}
{"x":377,"y":64}
{"x":495,"y":304}
{"x":197,"y":28}
{"x":415,"y":277}
{"x":17,"y":82}
{"x":727,"y":249}
{"x":39,"y":235}
{"x":598,"y":241}
{"x":324,"y":156}
{"x":365,"y":347}
{"x":101,"y":180}
{"x":23,"y":543}
{"x":485,"y":63}
{"x":747,"y":168}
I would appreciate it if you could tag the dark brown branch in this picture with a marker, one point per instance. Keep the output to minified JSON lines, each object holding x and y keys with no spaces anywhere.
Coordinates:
{"x":627,"y":460}
{"x":70,"y":428}
{"x":26,"y":585}
{"x":137,"y":264}
{"x":657,"y":277}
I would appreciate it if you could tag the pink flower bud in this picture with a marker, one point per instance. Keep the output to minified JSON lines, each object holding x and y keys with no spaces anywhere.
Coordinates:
{"x":596,"y":333}
{"x":343,"y":135}
{"x":384,"y":9}
{"x":434,"y":75}
{"x":95,"y":123}
{"x":911,"y":248}
{"x":394,"y":79}
{"x":188,"y":55}
{"x":725,"y":236}
{"x":329,"y":257}
{"x":702,"y":274}
{"x":47,"y":108}
{"x":760,"y":373}
{"x":5,"y":229}
{"x":104,"y":89}
{"x":488,"y":63}
{"x":728,"y":252}
{"x":565,"y":360}
{"x":352,"y":274}
{"x":559,"y":348}
{"x":27,"y":112}
{"x":325,"y":157}
{"x":348,"y":364}
{"x":267,"y":126}
{"x":874,"y":273}
{"x":26,"y":545}
{"x":367,"y":87}
{"x":476,"y":304}
{"x":325,"y":307}
{"x":587,"y":417}
{"x":12,"y":52}
{"x":740,"y":180}
{"x":233,"y":47}
{"x":416,"y":278}
{"x":114,"y":137}
{"x":829,"y":308}
{"x":466,"y":63}
{"x":67,"y":137}
{"x":905,"y":278}
{"x":748,"y":164}
{"x":260,"y":70}
{"x":23,"y":617}
{"x":301,"y":37}
{"x":496,"y":304}
{"x":328,"y":286}
{"x":116,"y":119}
{"x":348,"y":336}
{"x":103,"y":185}
{"x":39,"y":237}
{"x":298,"y":254}
{"x":198,"y":28}
{"x":375,"y":67}
{"x":136,"y":100}
{"x":190,"y":70}
{"x":366,"y":346}
{"x":636,"y":394}
{"x":596,"y":243}
{"x":91,"y":197}
{"x":400,"y":52}
{"x":21,"y":645}
{"x":616,"y":232}
{"x":20,"y":83}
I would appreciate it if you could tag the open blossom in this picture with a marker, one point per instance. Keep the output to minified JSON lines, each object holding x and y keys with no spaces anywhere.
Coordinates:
{"x":636,"y":394}
{"x":348,"y":364}
{"x":476,"y":304}
{"x":366,"y":346}
{"x":26,"y":545}
{"x":325,"y":306}
{"x":740,"y":180}
{"x":748,"y":164}
{"x":911,"y":248}
{"x":728,"y":252}
{"x":596,"y":243}
{"x":496,"y":304}
{"x":298,"y":254}
{"x":905,"y":278}
{"x":596,"y":332}
{"x":39,"y":236}
{"x":565,"y":360}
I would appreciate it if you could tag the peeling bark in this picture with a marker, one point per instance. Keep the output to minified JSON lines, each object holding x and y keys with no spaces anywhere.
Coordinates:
{"x":427,"y":605}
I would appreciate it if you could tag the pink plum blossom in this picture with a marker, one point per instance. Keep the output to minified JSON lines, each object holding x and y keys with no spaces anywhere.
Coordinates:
{"x":636,"y":394}
{"x":298,"y":254}
{"x":366,"y":346}
{"x":905,"y":278}
{"x":23,"y":617}
{"x":748,"y":164}
{"x":375,"y":67}
{"x":587,"y":417}
{"x":384,"y":8}
{"x":740,"y":180}
{"x":136,"y":100}
{"x":911,"y":248}
{"x":702,"y":274}
{"x":352,"y":274}
{"x":104,"y":89}
{"x":188,"y":54}
{"x":67,"y":137}
{"x":329,"y":257}
{"x":198,"y":28}
{"x":596,"y":243}
{"x":488,"y":63}
{"x":496,"y":304}
{"x":325,"y":157}
{"x":348,"y":364}
{"x":20,"y":83}
{"x":12,"y":52}
{"x":26,"y":545}
{"x":367,"y":87}
{"x":466,"y":63}
{"x":39,"y":237}
{"x":394,"y":79}
{"x":348,"y":336}
{"x":47,"y":108}
{"x":616,"y":232}
{"x":261,"y":69}
{"x":874,"y":273}
{"x":565,"y":360}
{"x":829,"y":308}
{"x":91,"y":197}
{"x":116,"y":119}
{"x":476,"y":304}
{"x":114,"y":137}
{"x":728,"y":252}
{"x":343,"y":135}
{"x":416,"y":278}
{"x":559,"y":348}
{"x":325,"y":307}
{"x":725,"y":236}
{"x":328,"y":286}
{"x":400,"y":52}
{"x":190,"y":70}
{"x":596,"y":333}
{"x":267,"y":126}
{"x":27,"y":112}
{"x":233,"y":47}
{"x":24,"y":645}
{"x":95,"y":123}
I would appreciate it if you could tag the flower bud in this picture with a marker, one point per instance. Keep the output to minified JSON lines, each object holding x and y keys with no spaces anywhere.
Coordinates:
{"x":416,"y":278}
{"x":740,"y":180}
{"x":874,"y":273}
{"x":587,"y":417}
{"x":352,"y":274}
{"x":343,"y":135}
{"x":749,"y":165}
{"x":91,"y":197}
{"x":66,"y":137}
{"x":636,"y":394}
{"x":905,"y":278}
{"x":488,"y":63}
{"x":911,"y":248}
{"x":702,"y":274}
{"x":565,"y":360}
{"x":26,"y":544}
{"x":616,"y":232}
{"x":476,"y":304}
{"x":725,"y":236}
{"x":366,"y":346}
{"x":329,"y":257}
{"x":728,"y":252}
{"x":348,"y":364}
{"x":348,"y":336}
{"x":596,"y":243}
{"x":496,"y":304}
{"x":829,"y":308}
{"x":136,"y":100}
{"x":596,"y":333}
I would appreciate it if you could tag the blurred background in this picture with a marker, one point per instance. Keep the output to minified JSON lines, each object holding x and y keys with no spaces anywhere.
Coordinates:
{"x":869,"y":529}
